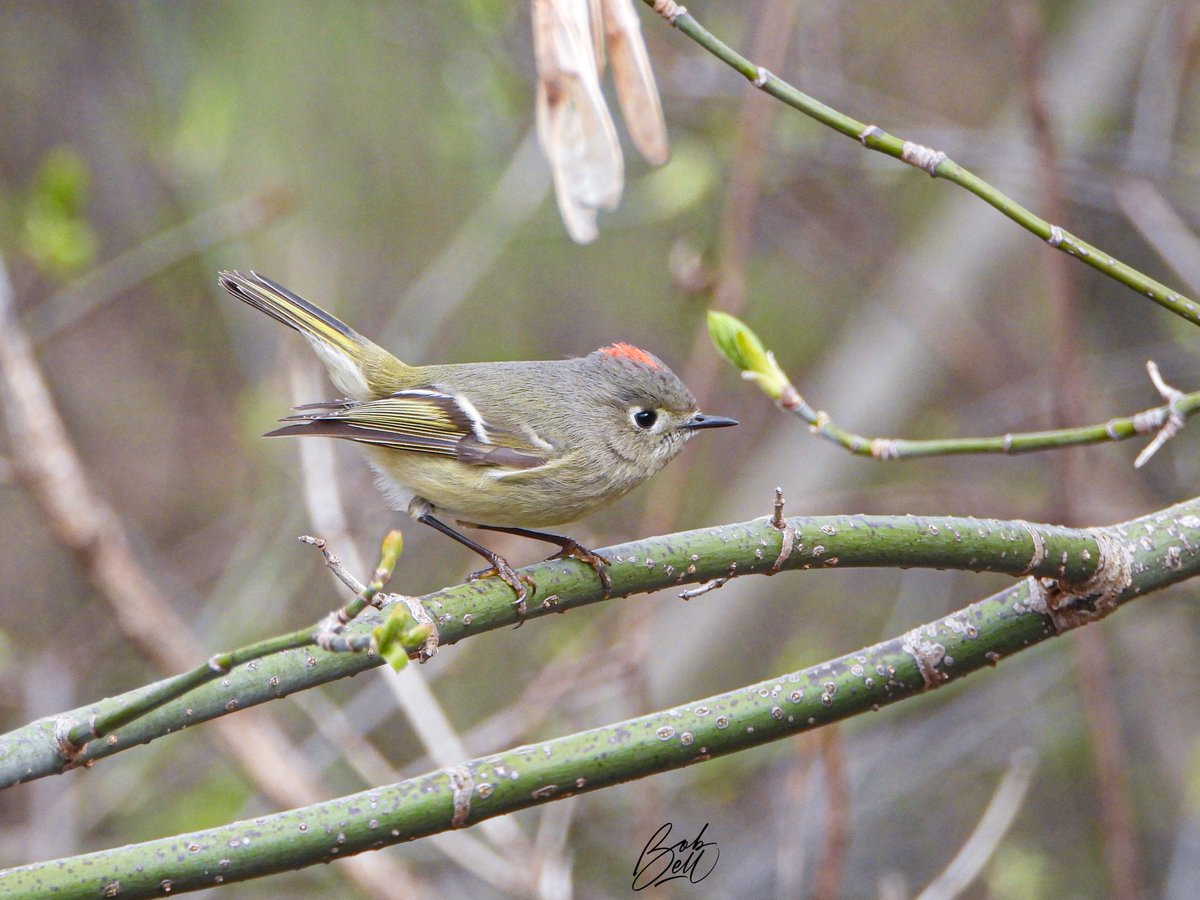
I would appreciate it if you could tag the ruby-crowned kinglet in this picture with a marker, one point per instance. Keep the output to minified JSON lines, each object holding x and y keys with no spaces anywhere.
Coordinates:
{"x":506,"y":446}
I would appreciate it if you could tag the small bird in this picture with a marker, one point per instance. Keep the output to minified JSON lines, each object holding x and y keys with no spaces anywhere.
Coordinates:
{"x":503,"y":446}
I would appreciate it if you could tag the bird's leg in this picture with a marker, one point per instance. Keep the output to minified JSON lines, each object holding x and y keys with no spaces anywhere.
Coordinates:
{"x":569,"y":548}
{"x":521,"y":584}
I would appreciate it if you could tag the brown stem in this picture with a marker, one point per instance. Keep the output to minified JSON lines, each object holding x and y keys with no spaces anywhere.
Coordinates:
{"x":827,"y":881}
{"x":1117,"y":828}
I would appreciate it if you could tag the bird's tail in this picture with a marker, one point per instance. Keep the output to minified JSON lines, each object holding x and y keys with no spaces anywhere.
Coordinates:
{"x":354,"y":362}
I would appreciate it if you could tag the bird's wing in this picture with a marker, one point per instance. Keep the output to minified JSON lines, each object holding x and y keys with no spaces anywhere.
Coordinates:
{"x":421,"y":420}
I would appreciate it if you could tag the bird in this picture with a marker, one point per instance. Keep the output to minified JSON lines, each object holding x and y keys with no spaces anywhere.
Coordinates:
{"x":508,"y":447}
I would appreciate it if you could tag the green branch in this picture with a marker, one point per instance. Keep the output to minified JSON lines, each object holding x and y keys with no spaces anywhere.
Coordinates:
{"x":761,"y":546}
{"x":742,"y":347}
{"x":934,"y":162}
{"x":74,"y":734}
{"x":1141,"y":556}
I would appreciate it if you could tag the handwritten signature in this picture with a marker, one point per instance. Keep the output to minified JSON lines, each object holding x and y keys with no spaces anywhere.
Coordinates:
{"x":661,"y":862}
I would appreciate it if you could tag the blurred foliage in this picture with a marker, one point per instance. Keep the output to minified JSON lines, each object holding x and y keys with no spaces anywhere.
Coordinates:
{"x":893,"y":301}
{"x":1017,"y":873}
{"x":207,"y":118}
{"x":55,"y":232}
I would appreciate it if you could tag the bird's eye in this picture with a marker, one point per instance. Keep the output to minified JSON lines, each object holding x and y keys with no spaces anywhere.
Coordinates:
{"x":645,"y":418}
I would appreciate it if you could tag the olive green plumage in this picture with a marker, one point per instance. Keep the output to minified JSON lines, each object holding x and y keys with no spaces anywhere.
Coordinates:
{"x":503,"y":444}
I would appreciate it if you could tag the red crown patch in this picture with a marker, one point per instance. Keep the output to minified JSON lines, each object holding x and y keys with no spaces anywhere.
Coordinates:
{"x":621,"y":350}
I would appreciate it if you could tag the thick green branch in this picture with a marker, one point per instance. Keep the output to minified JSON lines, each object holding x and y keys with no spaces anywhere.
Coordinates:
{"x":693,"y":557}
{"x":936,"y":163}
{"x":1140,"y":556}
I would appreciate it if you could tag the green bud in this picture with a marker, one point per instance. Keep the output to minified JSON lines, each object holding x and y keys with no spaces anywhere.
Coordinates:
{"x":398,"y":634}
{"x":389,"y":551}
{"x":388,"y":642}
{"x":741,"y":346}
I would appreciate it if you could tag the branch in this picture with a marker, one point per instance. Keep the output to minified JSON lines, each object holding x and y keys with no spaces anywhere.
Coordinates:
{"x":73,"y":735}
{"x":934,"y":162}
{"x":742,"y":347}
{"x":1065,"y":555}
{"x":1140,"y":556}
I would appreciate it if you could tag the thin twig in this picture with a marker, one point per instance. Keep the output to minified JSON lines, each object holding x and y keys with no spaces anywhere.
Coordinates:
{"x":1006,"y":802}
{"x":743,"y":348}
{"x":1159,"y":224}
{"x":777,"y":520}
{"x":711,"y":585}
{"x":331,"y":626}
{"x":1174,"y":421}
{"x":1164,"y":422}
{"x":334,"y":563}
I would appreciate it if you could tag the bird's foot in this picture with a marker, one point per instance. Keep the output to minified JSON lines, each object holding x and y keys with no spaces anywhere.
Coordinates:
{"x":572,"y":549}
{"x":521,"y":584}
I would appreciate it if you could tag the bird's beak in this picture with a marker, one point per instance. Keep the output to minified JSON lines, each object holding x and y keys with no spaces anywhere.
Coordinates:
{"x":700,"y":420}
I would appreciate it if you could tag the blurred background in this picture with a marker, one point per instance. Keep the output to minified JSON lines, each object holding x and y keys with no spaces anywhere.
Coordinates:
{"x":379,"y":158}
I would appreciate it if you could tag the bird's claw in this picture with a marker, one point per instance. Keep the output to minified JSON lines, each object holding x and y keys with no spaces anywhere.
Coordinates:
{"x":575,"y":550}
{"x":521,"y":584}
